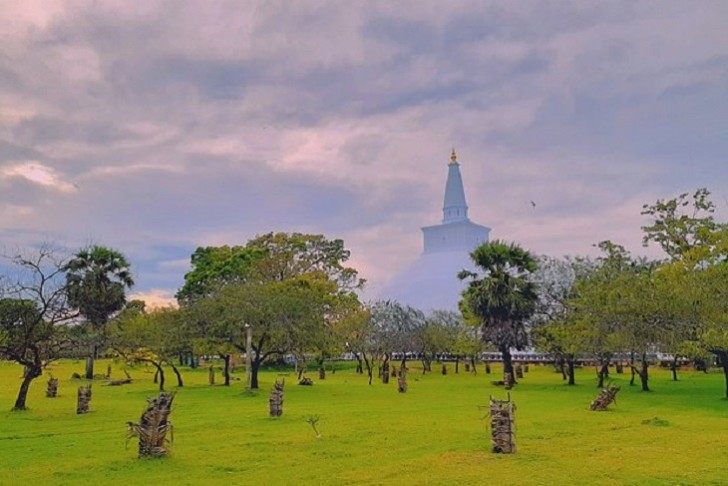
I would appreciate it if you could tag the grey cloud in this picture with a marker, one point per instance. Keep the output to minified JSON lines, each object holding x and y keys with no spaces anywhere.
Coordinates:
{"x":579,"y":106}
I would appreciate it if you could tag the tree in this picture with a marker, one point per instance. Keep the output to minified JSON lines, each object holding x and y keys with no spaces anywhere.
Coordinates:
{"x":703,"y":273}
{"x":155,"y":337}
{"x":711,"y":293}
{"x":359,"y":336}
{"x":396,"y":327}
{"x":272,"y":256}
{"x":284,"y":316}
{"x":680,"y":225}
{"x":438,"y":337}
{"x":502,"y":299}
{"x":290,"y":288}
{"x":32,"y":309}
{"x":621,"y":303}
{"x":556,"y":327}
{"x":216,"y":266}
{"x":97,"y":279}
{"x":468,"y":344}
{"x":290,"y":255}
{"x":686,"y":230}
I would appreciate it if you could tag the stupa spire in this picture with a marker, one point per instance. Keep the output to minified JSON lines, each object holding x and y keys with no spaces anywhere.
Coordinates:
{"x":454,"y":208}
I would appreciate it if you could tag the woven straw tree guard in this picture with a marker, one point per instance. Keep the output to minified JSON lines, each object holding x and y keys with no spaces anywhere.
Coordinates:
{"x":211,"y":376}
{"x":153,"y":427}
{"x":52,"y":389}
{"x":502,"y":424}
{"x":402,"y":380}
{"x":385,"y":372}
{"x":508,"y":380}
{"x":607,"y":396}
{"x":276,"y":399}
{"x":84,"y":397}
{"x":519,"y":371}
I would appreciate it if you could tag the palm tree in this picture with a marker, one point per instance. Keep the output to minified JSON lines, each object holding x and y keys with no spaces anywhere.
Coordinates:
{"x":97,"y":279}
{"x":503,"y":298}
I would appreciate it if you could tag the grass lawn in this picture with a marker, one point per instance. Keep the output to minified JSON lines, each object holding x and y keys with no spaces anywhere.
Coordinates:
{"x":433,"y":434}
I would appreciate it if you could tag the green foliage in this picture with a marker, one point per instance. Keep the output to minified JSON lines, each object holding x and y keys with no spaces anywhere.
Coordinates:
{"x":680,"y":224}
{"x":97,"y":279}
{"x":22,"y":328}
{"x":395,"y":326}
{"x":503,"y":298}
{"x":273,"y":256}
{"x":293,"y":290}
{"x":556,"y":328}
{"x":289,"y":255}
{"x":215,"y":266}
{"x":158,"y":335}
{"x":31,"y":309}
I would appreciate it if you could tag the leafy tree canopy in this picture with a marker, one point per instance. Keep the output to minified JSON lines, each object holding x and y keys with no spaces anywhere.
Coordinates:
{"x":97,"y":279}
{"x":269,"y":257}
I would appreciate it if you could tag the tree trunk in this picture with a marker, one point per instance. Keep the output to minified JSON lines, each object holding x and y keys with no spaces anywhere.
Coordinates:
{"x":508,"y":363}
{"x":160,"y":372}
{"x":570,"y":371}
{"x":643,"y":372}
{"x":602,"y":373}
{"x":226,"y":370}
{"x":457,"y":363}
{"x":32,"y":373}
{"x":359,"y":366}
{"x":560,"y":365}
{"x":673,"y":367}
{"x":322,"y":368}
{"x":724,"y":363}
{"x":176,"y":372}
{"x":474,"y":369}
{"x":90,"y":365}
{"x":156,"y":377}
{"x":632,"y":368}
{"x":254,"y":366}
{"x":644,"y":375}
{"x":370,"y":372}
{"x":600,"y":379}
{"x":385,"y":369}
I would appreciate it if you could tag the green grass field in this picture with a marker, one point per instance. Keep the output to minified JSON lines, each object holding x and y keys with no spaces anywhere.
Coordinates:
{"x":434,"y":434}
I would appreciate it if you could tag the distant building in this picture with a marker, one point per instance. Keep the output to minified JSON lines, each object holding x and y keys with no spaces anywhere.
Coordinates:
{"x":431,"y":281}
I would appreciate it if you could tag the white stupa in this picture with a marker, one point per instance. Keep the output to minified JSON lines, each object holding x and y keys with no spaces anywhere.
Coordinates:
{"x":431,"y":281}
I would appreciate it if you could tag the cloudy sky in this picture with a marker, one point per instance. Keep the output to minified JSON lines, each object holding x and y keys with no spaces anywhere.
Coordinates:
{"x":157,"y":127}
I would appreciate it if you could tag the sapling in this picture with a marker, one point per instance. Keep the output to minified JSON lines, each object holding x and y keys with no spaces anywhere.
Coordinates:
{"x":313,"y":420}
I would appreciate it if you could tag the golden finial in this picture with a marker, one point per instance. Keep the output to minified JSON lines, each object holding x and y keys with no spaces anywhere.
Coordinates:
{"x":453,"y":157}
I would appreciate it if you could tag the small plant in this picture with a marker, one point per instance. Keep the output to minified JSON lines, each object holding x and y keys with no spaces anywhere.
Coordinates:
{"x":313,"y":420}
